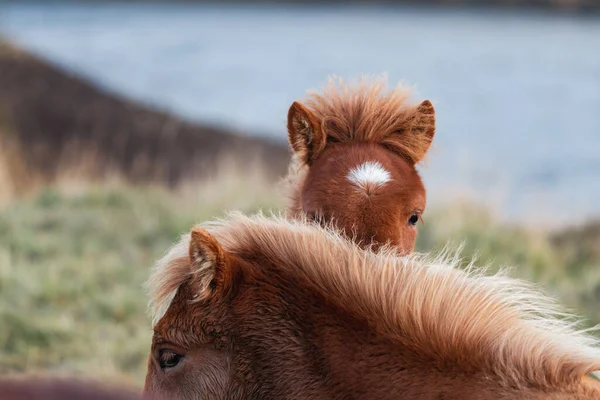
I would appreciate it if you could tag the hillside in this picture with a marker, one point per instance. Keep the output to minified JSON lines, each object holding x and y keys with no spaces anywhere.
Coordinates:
{"x":53,"y":122}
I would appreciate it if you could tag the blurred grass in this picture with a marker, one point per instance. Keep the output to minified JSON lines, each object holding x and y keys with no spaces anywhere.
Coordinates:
{"x":73,"y":261}
{"x":72,"y":265}
{"x":566,"y":263}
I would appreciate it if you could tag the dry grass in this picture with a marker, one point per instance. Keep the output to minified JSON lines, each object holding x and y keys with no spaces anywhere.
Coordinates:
{"x":73,"y":259}
{"x":72,"y":262}
{"x":566,"y":262}
{"x":74,"y":256}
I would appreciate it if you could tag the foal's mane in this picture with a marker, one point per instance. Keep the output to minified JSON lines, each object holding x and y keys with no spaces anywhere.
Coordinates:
{"x":367,"y":110}
{"x":462,"y":318}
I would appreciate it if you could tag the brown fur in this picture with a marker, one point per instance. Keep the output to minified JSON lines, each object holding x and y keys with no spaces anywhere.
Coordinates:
{"x":303,"y":313}
{"x":343,"y":128}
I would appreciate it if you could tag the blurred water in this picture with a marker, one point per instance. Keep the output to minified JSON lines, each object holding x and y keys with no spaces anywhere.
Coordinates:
{"x":517,"y":95}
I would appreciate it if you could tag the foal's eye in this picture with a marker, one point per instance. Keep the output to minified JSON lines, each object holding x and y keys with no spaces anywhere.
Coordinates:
{"x":413,"y":219}
{"x":168,"y":359}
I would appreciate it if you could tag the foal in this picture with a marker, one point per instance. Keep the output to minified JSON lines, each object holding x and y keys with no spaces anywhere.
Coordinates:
{"x":355,"y":150}
{"x":273,"y":309}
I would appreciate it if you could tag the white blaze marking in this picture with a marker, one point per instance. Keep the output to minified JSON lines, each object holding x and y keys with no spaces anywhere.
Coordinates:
{"x":369,"y":175}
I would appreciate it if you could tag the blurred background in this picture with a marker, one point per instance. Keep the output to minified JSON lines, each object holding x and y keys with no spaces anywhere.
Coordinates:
{"x":124,"y":123}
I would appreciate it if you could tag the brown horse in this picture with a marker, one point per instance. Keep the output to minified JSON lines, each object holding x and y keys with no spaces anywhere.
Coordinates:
{"x":356,"y":147}
{"x":275,"y":309}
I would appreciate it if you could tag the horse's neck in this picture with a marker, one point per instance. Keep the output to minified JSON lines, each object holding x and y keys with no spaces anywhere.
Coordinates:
{"x":360,"y":363}
{"x":367,"y":367}
{"x":304,"y":344}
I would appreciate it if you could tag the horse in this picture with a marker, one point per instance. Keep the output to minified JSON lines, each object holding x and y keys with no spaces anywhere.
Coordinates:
{"x":355,"y":148}
{"x":36,"y":388}
{"x":255,"y":307}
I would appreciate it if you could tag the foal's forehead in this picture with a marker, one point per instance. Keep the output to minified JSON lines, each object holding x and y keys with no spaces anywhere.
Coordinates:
{"x":363,"y":165}
{"x":373,"y":179}
{"x":369,"y":173}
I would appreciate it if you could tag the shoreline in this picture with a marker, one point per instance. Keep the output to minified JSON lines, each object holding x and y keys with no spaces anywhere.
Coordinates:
{"x":54,"y":122}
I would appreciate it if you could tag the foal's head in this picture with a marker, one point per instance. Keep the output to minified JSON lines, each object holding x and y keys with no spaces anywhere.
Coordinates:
{"x":191,"y":348}
{"x":357,"y":147}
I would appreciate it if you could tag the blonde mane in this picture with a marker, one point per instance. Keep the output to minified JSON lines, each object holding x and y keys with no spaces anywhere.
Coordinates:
{"x":460,"y":318}
{"x":367,"y":110}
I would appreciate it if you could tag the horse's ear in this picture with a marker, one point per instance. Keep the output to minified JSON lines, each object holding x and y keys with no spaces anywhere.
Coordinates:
{"x":304,"y":133}
{"x":414,"y":140}
{"x":209,"y":263}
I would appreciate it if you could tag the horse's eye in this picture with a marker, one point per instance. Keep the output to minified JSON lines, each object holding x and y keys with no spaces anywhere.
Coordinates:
{"x":413,"y":219}
{"x":168,"y":359}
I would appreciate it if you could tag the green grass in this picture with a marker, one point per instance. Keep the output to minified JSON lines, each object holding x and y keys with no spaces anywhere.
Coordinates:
{"x":565,"y":263}
{"x":72,"y":265}
{"x":72,"y":268}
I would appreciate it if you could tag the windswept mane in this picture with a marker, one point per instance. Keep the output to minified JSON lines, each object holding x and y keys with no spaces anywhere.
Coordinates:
{"x":367,"y":110}
{"x":460,"y":318}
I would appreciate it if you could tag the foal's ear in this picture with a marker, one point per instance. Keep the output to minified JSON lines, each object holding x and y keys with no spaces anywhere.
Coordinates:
{"x":208,"y":262}
{"x":304,"y":133}
{"x":415,"y":138}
